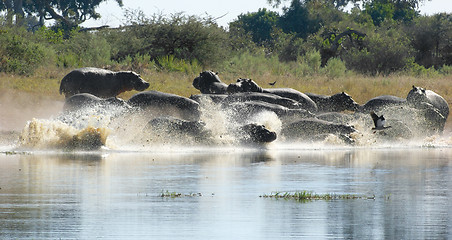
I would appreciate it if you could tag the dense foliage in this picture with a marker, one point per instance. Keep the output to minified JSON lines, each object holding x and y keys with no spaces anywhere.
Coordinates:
{"x":313,"y":36}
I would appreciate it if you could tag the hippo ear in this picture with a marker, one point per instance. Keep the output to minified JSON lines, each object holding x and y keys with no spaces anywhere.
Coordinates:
{"x":343,"y":93}
{"x":216,"y":73}
{"x":414,"y":87}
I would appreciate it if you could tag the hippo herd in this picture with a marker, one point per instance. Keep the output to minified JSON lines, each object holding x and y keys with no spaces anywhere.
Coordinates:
{"x":299,"y":116}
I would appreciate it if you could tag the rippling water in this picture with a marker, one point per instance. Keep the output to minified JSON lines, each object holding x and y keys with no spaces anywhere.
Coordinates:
{"x":117,"y":195}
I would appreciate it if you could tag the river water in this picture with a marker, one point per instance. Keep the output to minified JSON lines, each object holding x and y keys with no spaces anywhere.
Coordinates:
{"x":215,"y":193}
{"x":49,"y":190}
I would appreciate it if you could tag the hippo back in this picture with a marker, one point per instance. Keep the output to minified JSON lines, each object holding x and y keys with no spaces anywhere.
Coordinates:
{"x":335,"y":103}
{"x":304,"y":101}
{"x":165,"y":101}
{"x":380,"y":102}
{"x":418,"y":95}
{"x":311,"y":126}
{"x":80,"y":100}
{"x":215,"y":98}
{"x":264,"y":97}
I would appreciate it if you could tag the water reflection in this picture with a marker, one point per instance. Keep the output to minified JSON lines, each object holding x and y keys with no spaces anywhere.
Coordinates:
{"x":116,"y":195}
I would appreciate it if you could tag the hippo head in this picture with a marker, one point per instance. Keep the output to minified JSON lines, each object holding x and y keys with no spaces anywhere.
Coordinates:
{"x":255,"y":133}
{"x":244,"y":85}
{"x":342,"y":101}
{"x":204,"y":80}
{"x":132,"y":80}
{"x":416,"y":95}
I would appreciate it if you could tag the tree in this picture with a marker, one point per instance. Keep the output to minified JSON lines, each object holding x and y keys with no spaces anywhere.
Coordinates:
{"x":414,"y":4}
{"x":399,"y":10}
{"x":431,"y":37}
{"x":337,"y":3}
{"x":13,"y":8}
{"x":296,"y":20}
{"x":259,"y":25}
{"x":68,"y":13}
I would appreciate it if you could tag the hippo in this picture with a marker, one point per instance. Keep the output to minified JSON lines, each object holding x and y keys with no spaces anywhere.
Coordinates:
{"x":82,"y":100}
{"x":255,"y":133}
{"x":100,"y":82}
{"x":179,"y":130}
{"x":337,"y":117}
{"x":301,"y":98}
{"x":305,"y":128}
{"x":418,"y":95}
{"x":175,"y":129}
{"x":245,"y":85}
{"x":215,"y":98}
{"x":208,"y":82}
{"x":335,"y":103}
{"x":380,"y":102}
{"x":264,"y":97}
{"x":249,"y":109}
{"x":166,"y":104}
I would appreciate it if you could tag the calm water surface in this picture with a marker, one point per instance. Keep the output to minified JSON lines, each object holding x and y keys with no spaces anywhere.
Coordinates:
{"x":117,"y":195}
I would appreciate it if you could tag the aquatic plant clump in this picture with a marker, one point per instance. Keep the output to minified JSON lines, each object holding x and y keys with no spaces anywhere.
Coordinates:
{"x":168,"y":194}
{"x":304,"y":196}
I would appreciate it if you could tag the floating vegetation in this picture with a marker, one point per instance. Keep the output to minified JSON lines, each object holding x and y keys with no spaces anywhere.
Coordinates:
{"x":15,"y":153}
{"x":304,"y":196}
{"x":167,"y":194}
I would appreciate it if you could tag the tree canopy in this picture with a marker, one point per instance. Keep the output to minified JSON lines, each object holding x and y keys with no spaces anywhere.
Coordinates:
{"x":68,"y":13}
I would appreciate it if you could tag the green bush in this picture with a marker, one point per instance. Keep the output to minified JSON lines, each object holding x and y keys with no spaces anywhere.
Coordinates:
{"x":335,"y":68}
{"x":84,"y":49}
{"x":384,"y":53}
{"x":312,"y":60}
{"x":416,"y":70}
{"x":172,"y":64}
{"x":187,"y":38}
{"x":18,"y":53}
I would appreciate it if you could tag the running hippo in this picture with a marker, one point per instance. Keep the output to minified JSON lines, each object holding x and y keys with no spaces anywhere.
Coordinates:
{"x":249,"y":109}
{"x":245,"y":85}
{"x":381,"y":102}
{"x":264,"y":97}
{"x":335,"y":103}
{"x":170,"y":129}
{"x":82,"y":100}
{"x":100,"y":82}
{"x":302,"y":99}
{"x":419,"y":95}
{"x":306,"y":128}
{"x":215,"y":98}
{"x":208,"y":82}
{"x":166,"y":104}
{"x":337,"y":117}
{"x":255,"y":133}
{"x":178,"y":130}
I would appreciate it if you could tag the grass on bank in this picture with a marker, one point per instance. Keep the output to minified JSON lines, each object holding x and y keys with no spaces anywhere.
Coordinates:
{"x":46,"y":81}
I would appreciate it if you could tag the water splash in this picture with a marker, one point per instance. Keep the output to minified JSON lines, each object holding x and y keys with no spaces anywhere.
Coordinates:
{"x":119,"y":129}
{"x":52,"y":134}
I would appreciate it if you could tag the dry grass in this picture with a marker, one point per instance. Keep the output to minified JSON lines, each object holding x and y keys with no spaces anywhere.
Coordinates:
{"x":46,"y":82}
